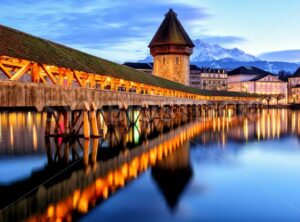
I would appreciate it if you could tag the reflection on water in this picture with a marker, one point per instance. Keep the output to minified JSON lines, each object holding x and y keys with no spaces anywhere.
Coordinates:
{"x":19,"y":133}
{"x":78,"y":175}
{"x":176,"y":170}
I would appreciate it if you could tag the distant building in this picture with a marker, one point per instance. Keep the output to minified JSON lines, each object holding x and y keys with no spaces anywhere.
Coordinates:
{"x":171,"y":48}
{"x":209,"y":79}
{"x":202,"y":78}
{"x":255,"y":80}
{"x":195,"y":74}
{"x":294,"y":87}
{"x":144,"y":67}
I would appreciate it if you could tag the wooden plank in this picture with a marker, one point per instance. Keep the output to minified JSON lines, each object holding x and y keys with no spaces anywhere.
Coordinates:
{"x":49,"y":74}
{"x":5,"y":71}
{"x":21,"y":72}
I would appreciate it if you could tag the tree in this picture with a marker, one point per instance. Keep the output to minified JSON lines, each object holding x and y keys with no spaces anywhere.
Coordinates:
{"x":268,"y":98}
{"x":284,"y":75}
{"x":279,"y":97}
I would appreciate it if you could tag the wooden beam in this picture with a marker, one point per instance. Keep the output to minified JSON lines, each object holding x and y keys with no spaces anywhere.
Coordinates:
{"x":86,"y":125}
{"x":21,"y":72}
{"x":5,"y":71}
{"x":78,"y":78}
{"x":49,"y":74}
{"x":35,"y":72}
{"x":43,"y":79}
{"x":12,"y":62}
{"x":61,"y":73}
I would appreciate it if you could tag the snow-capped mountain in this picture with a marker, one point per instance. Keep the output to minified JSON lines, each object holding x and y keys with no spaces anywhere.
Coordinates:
{"x":204,"y":52}
{"x":229,"y":64}
{"x":215,"y":56}
{"x":207,"y":52}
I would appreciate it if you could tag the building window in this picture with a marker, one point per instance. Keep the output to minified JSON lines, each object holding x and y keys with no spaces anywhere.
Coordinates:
{"x":164,"y":60}
{"x":177,"y":60}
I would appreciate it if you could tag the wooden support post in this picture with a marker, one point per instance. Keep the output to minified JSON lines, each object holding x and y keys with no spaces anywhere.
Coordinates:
{"x":95,"y":129}
{"x":175,"y":112}
{"x":144,"y":131}
{"x":161,"y":113}
{"x":67,"y":152}
{"x":21,"y":72}
{"x":86,"y":147}
{"x":109,"y":117}
{"x":5,"y":71}
{"x":60,"y":121}
{"x":202,"y":111}
{"x":123,"y":117}
{"x":49,"y":74}
{"x":197,"y":111}
{"x":86,"y":125}
{"x":98,"y":117}
{"x":152,"y":113}
{"x":220,"y":110}
{"x":86,"y":122}
{"x":48,"y":149}
{"x":172,"y":115}
{"x":178,"y":115}
{"x":58,"y":118}
{"x":48,"y":124}
{"x":226,"y":110}
{"x":193,"y":109}
{"x":238,"y":108}
{"x":183,"y":113}
{"x":205,"y":109}
{"x":61,"y":75}
{"x":35,"y":73}
{"x":189,"y":112}
{"x":66,"y":122}
{"x":123,"y":137}
{"x":94,"y":151}
{"x":144,"y":114}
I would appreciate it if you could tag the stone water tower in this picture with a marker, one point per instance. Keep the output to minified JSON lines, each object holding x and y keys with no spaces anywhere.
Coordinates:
{"x":171,"y":48}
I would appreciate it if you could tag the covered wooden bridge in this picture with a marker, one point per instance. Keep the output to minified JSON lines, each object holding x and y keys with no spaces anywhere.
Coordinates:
{"x":40,"y":74}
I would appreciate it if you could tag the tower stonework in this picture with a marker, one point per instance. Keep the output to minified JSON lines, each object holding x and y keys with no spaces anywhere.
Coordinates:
{"x":171,"y":48}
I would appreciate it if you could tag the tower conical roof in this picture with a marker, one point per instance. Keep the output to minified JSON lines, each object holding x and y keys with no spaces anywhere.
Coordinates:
{"x":171,"y":32}
{"x":172,"y":183}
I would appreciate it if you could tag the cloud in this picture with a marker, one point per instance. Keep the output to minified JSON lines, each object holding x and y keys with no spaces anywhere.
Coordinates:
{"x":282,"y":56}
{"x":97,"y":25}
{"x":223,"y":40}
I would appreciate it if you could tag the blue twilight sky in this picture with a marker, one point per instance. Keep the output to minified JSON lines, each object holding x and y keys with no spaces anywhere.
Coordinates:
{"x":120,"y":30}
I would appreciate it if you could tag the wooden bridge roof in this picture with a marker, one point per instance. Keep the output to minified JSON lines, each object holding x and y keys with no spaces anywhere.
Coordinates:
{"x":21,"y":45}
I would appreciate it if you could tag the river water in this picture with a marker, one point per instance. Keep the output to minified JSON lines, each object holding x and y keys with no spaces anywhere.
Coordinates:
{"x":214,"y":168}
